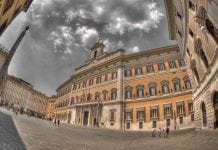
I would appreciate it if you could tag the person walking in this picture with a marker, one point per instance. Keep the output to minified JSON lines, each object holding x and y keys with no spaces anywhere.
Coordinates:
{"x":164,"y":132}
{"x":58,"y":122}
{"x":167,"y":131}
{"x":55,"y":121}
{"x":153,"y":132}
{"x":160,"y":131}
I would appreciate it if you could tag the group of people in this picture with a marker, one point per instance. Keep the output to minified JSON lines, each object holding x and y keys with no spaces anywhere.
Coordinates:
{"x":56,"y":122}
{"x":163,"y":131}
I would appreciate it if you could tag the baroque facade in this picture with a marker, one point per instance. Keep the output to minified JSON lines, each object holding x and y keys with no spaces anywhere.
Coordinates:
{"x":194,"y":24}
{"x":19,"y":92}
{"x":128,"y":91}
{"x":9,"y":9}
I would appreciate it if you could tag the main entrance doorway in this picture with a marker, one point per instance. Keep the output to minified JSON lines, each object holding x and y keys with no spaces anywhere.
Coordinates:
{"x":215,"y":104}
{"x":86,"y":118}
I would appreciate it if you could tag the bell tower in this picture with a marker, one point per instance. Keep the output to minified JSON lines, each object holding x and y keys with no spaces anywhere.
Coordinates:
{"x":97,"y":50}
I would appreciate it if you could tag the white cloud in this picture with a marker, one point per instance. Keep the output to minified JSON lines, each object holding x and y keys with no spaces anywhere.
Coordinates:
{"x":135,"y":49}
{"x":88,"y":35}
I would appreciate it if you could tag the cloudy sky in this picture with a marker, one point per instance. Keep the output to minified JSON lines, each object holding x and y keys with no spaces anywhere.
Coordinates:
{"x":62,"y":31}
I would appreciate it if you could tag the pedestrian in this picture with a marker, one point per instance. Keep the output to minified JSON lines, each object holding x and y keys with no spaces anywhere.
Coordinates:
{"x":58,"y":122}
{"x":160,"y":131}
{"x":164,"y":132}
{"x":55,"y":121}
{"x":167,"y":131}
{"x":153,"y":132}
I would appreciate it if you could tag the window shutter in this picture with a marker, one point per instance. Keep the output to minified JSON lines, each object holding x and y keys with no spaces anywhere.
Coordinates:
{"x":145,"y":115}
{"x":137,"y":115}
{"x":158,"y":113}
{"x":132,"y":116}
{"x":184,"y":109}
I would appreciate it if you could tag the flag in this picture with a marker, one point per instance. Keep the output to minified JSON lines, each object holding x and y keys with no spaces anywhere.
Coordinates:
{"x":83,"y":93}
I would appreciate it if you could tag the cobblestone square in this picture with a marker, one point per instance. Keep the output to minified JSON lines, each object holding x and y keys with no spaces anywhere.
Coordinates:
{"x":22,"y":132}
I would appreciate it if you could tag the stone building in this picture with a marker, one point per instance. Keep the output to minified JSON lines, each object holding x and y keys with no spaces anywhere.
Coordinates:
{"x":22,"y":93}
{"x":50,"y":107}
{"x":9,"y":9}
{"x":128,"y":91}
{"x":194,"y":24}
{"x":16,"y":91}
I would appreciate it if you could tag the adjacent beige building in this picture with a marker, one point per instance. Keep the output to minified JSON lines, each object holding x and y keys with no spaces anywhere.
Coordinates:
{"x":194,"y":24}
{"x":51,"y":107}
{"x":9,"y":9}
{"x":19,"y":92}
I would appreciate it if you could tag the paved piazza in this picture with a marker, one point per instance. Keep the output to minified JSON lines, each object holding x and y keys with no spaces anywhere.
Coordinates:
{"x":22,"y":132}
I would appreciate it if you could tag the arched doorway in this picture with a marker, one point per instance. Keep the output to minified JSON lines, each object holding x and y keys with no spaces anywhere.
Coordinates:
{"x":215,"y":104}
{"x":204,"y":115}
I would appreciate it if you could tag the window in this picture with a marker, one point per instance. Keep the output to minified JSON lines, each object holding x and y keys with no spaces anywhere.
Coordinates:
{"x":190,"y":107}
{"x":161,"y":66}
{"x":172,"y":64}
{"x":180,"y":120}
{"x":168,"y":122}
{"x":114,"y":75}
{"x":181,"y":62}
{"x":152,"y":89}
{"x":113,"y":94}
{"x":112,"y":115}
{"x":8,"y":5}
{"x":154,"y":112}
{"x":140,"y":114}
{"x":97,"y":96}
{"x":165,"y":87}
{"x":140,"y":125}
{"x":191,"y":33}
{"x":98,"y":81}
{"x":178,"y":14}
{"x":187,"y":83}
{"x":128,"y":73}
{"x":203,"y":57}
{"x":140,"y":91}
{"x":180,"y":109}
{"x":79,"y":86}
{"x":176,"y":84}
{"x":128,"y":92}
{"x":105,"y":93}
{"x":84,"y":84}
{"x":188,"y":52}
{"x":128,"y":115}
{"x":212,"y":29}
{"x":167,"y":110}
{"x":105,"y":77}
{"x":150,"y":68}
{"x":191,"y":5}
{"x":180,"y":34}
{"x":138,"y":71}
{"x":91,"y":82}
{"x":74,"y":87}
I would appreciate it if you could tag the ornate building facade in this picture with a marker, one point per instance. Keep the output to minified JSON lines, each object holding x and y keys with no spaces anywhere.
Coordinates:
{"x":128,"y":91}
{"x":194,"y":24}
{"x":50,"y":107}
{"x":19,"y":92}
{"x":9,"y":9}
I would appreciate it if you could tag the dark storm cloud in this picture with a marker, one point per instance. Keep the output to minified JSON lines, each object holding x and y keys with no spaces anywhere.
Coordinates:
{"x":62,"y":31}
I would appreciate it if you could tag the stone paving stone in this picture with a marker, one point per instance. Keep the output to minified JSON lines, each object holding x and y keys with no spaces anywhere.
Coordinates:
{"x":39,"y":134}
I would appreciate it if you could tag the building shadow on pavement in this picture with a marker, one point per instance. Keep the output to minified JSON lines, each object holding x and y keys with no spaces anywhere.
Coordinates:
{"x":9,"y":136}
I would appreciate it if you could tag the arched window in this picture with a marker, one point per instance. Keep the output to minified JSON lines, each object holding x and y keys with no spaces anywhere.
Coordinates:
{"x":187,"y":83}
{"x":105,"y":95}
{"x":165,"y":87}
{"x":97,"y":96}
{"x":128,"y":92}
{"x":113,"y":94}
{"x":152,"y":89}
{"x":176,"y":83}
{"x":140,"y":91}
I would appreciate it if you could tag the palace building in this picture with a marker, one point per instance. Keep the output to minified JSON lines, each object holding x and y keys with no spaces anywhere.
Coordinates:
{"x":194,"y":25}
{"x":9,"y":9}
{"x":128,"y":91}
